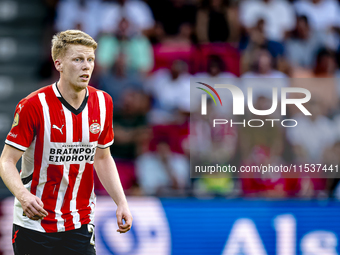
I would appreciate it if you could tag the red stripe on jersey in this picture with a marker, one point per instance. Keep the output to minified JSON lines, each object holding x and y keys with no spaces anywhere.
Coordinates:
{"x":77,"y":127}
{"x":58,"y":122}
{"x":94,"y":118}
{"x":50,"y":196}
{"x":38,"y":152}
{"x":84,"y":194}
{"x":65,"y":208}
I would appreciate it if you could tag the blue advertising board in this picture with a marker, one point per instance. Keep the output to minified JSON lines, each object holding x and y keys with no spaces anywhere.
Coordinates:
{"x":211,"y":226}
{"x":231,"y":227}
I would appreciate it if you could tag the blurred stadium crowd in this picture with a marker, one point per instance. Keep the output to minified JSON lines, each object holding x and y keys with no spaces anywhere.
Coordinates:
{"x":148,"y":50}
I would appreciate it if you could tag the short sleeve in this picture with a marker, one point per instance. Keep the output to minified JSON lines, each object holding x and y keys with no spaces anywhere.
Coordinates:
{"x":23,"y":128}
{"x":106,"y":137}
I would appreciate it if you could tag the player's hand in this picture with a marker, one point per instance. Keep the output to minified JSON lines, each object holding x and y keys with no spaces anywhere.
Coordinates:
{"x":32,"y":206}
{"x":123,"y":212}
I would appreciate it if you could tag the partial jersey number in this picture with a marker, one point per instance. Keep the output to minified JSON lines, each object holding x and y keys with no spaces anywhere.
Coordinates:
{"x":90,"y":228}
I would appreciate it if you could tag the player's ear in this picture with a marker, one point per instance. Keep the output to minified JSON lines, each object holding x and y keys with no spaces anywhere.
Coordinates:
{"x":58,"y":65}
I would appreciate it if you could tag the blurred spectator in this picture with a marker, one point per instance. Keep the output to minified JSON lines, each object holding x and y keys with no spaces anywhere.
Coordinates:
{"x":173,"y":15}
{"x":216,"y":69}
{"x":278,"y":16}
{"x":162,"y":171}
{"x":302,"y":47}
{"x":312,"y":136}
{"x":270,"y":139}
{"x":79,"y":14}
{"x":336,"y":120}
{"x":136,"y":48}
{"x":130,"y":124}
{"x":212,"y":22}
{"x":171,"y":50}
{"x":262,"y":66}
{"x":170,"y":90}
{"x":136,"y":12}
{"x":119,"y":80}
{"x":170,"y":47}
{"x":176,"y":134}
{"x":255,"y":40}
{"x":167,"y":48}
{"x":324,"y":90}
{"x":131,"y":137}
{"x":208,"y":144}
{"x":325,"y":65}
{"x":229,"y":55}
{"x":332,"y":157}
{"x":221,"y":186}
{"x":269,"y":151}
{"x":323,"y":16}
{"x":269,"y":184}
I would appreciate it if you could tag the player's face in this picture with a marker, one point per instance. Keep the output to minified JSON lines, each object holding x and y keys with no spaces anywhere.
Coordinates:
{"x":77,"y":66}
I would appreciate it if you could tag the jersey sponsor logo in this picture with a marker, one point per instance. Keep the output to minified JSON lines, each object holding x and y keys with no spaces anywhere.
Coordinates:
{"x":95,"y":128}
{"x":16,"y":120}
{"x":12,"y":135}
{"x":74,"y":154}
{"x":59,"y":128}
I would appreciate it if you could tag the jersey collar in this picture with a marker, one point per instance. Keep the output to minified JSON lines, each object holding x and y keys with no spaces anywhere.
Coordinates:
{"x":66,"y":104}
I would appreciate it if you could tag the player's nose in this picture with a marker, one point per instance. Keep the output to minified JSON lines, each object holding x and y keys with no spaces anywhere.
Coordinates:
{"x":86,"y":65}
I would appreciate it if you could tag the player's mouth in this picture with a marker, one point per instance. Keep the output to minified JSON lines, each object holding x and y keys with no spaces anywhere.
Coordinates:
{"x":85,"y":77}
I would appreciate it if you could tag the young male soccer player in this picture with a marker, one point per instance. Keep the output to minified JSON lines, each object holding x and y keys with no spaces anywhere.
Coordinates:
{"x":61,"y":131}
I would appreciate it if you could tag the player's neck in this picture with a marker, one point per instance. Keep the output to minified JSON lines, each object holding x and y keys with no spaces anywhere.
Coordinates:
{"x":74,"y":97}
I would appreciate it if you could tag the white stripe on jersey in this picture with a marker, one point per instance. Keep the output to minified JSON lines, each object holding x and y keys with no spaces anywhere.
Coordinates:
{"x":18,"y":218}
{"x":47,"y":136}
{"x":73,"y":203}
{"x":85,"y":125}
{"x":102,"y":108}
{"x":60,"y":199}
{"x":27,"y":164}
{"x":66,"y":170}
{"x":85,"y":140}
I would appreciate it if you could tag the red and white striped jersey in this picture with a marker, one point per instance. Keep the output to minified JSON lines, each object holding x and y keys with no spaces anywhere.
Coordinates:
{"x":59,"y":143}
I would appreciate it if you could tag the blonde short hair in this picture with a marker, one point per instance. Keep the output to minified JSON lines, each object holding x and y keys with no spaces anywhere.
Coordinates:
{"x":61,"y":40}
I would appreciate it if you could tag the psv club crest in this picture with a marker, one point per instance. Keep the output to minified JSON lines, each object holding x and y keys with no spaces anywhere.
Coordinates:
{"x":95,"y":128}
{"x":16,"y":120}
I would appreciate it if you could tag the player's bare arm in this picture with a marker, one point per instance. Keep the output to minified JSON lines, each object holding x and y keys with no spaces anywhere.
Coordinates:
{"x":31,"y":205}
{"x":108,"y":175}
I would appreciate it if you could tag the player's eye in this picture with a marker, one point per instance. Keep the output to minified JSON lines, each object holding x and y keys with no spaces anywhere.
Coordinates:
{"x":77,"y":59}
